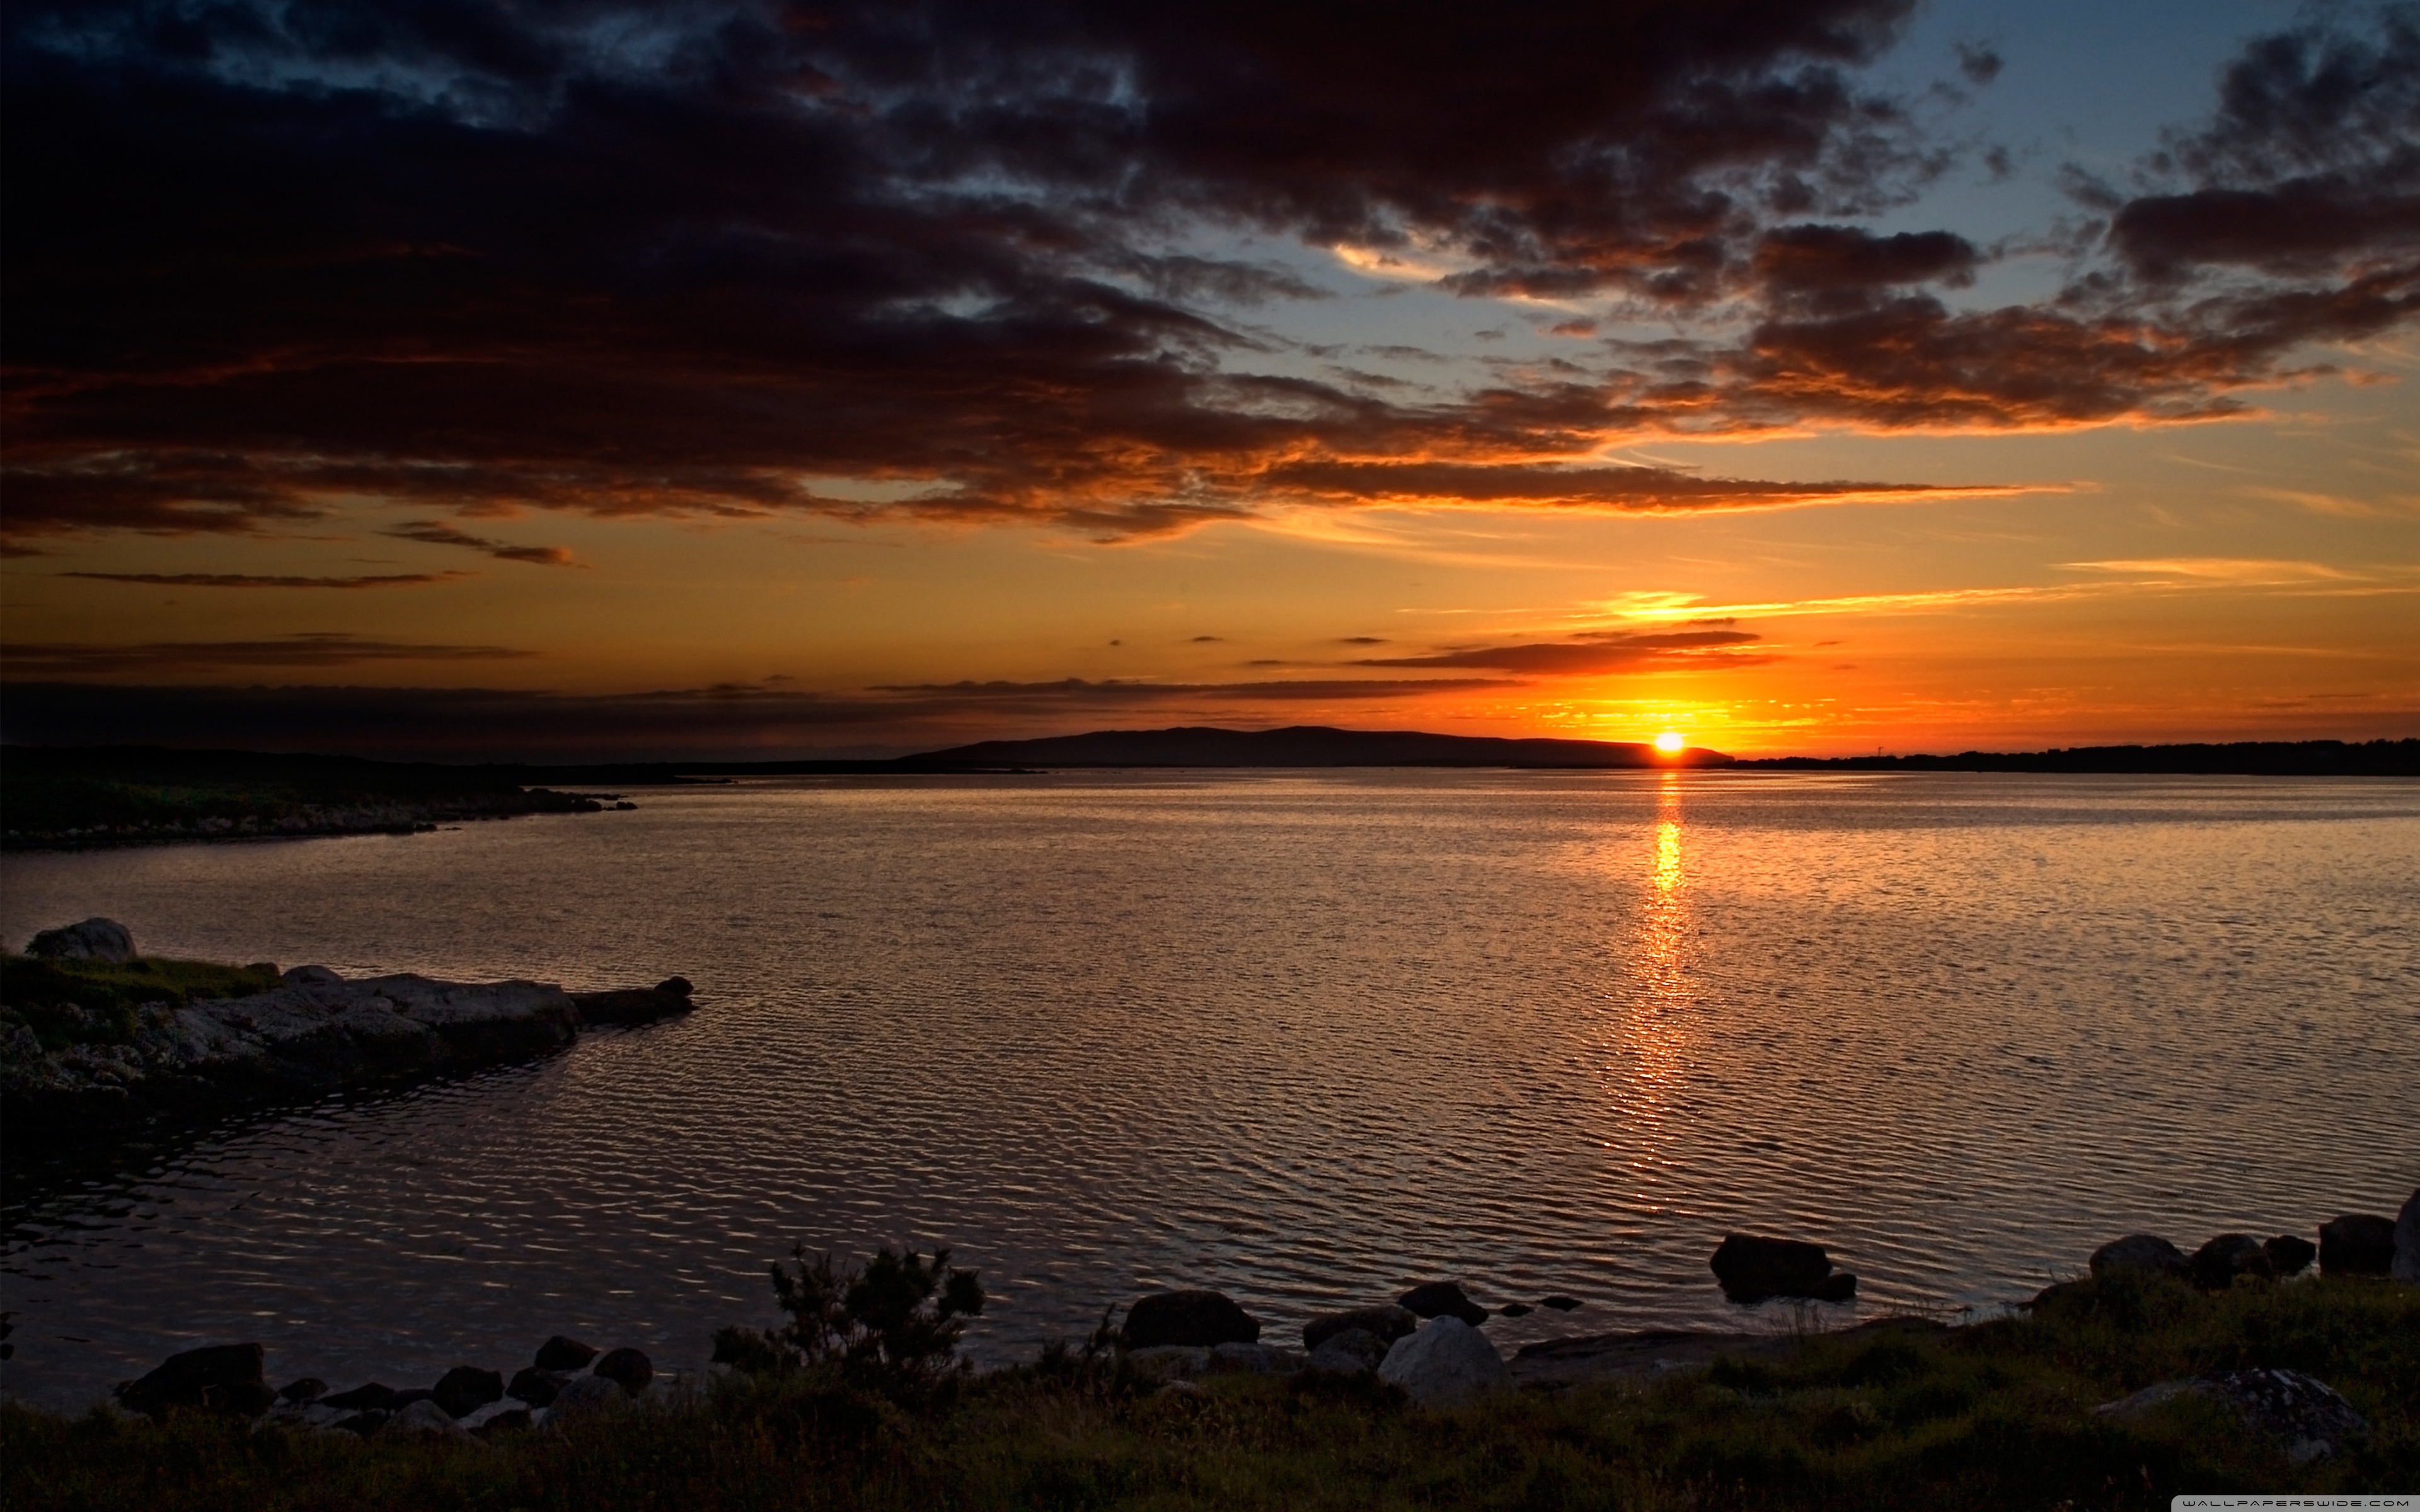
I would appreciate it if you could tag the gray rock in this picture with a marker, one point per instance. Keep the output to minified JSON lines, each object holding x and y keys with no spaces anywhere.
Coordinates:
{"x":584,"y":1397}
{"x":1447,"y":1362}
{"x":2303,"y":1417}
{"x":2290,"y":1255}
{"x":2148,"y":1252}
{"x":1170,"y":1362}
{"x":496,"y":1415}
{"x":95,"y":939}
{"x":1387,"y":1323}
{"x":2407,"y":1239}
{"x":1441,"y":1299}
{"x":1252,"y":1359}
{"x":425,"y":1420}
{"x":2357,"y":1244}
{"x":1355,"y":1352}
{"x":2218,"y":1262}
{"x":627,"y":1368}
{"x":1194,"y":1319}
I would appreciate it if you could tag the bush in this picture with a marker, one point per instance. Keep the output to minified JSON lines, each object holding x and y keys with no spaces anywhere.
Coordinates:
{"x":892,"y":1324}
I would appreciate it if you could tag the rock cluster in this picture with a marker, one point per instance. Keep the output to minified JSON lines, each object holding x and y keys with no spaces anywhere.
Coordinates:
{"x":1179,"y":1336}
{"x":466,"y":1403}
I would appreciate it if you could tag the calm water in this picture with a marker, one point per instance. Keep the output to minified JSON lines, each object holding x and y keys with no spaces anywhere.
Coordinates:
{"x":1301,"y":1037}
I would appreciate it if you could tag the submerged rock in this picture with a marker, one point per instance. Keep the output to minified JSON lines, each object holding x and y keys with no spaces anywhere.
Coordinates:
{"x":1447,"y":1362}
{"x":222,"y":1377}
{"x":1752,"y":1268}
{"x":1192,"y":1318}
{"x":2304,"y":1417}
{"x":1561,"y":1302}
{"x":2357,"y":1244}
{"x":1442,"y":1298}
{"x":95,"y":939}
{"x":1386,"y":1325}
{"x":2140,"y":1252}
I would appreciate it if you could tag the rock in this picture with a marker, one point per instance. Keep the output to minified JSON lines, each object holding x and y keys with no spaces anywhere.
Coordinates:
{"x":1193,"y":1319}
{"x":1561,"y":1302}
{"x":311,"y":977}
{"x":584,"y":1397}
{"x":425,"y":1420}
{"x":1441,"y":1299}
{"x":2064,"y":1293}
{"x":231,"y":1370}
{"x":1447,"y":1362}
{"x":1515,"y":1309}
{"x":1354,"y":1351}
{"x":534,"y":1386}
{"x":95,"y":939}
{"x":372,"y":1398}
{"x":627,"y":1368}
{"x":2303,"y":1417}
{"x":2140,"y":1252}
{"x":501,"y":1412}
{"x":304,"y":1392}
{"x":2290,"y":1255}
{"x":1388,"y":1324}
{"x":465,"y":1389}
{"x":560,"y":1353}
{"x":363,"y":1424}
{"x":635,"y":1005}
{"x":2357,"y":1244}
{"x":2407,"y":1239}
{"x":1170,"y":1362}
{"x":1752,"y":1268}
{"x":1252,"y":1359}
{"x":2217,"y":1263}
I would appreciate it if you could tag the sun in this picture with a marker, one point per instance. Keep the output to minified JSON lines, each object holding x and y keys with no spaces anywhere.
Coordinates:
{"x":1672,"y":742}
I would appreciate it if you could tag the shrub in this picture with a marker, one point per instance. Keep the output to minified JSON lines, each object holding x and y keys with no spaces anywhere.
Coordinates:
{"x":892,"y":1323}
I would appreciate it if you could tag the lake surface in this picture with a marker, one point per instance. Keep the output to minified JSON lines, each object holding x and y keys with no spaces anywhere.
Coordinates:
{"x":1302,"y":1036}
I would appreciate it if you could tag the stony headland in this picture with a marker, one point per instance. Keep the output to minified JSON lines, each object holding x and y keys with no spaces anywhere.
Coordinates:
{"x":95,"y":1036}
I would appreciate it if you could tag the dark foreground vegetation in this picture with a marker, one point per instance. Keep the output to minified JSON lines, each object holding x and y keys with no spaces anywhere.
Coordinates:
{"x":133,"y":795}
{"x":1994,"y":1415}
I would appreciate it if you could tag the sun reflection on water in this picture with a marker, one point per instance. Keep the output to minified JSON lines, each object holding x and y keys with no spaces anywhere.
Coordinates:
{"x":1656,"y":1035}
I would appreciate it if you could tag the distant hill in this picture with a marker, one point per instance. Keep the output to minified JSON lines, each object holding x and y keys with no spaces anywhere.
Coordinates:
{"x":1301,"y":746}
{"x":2243,"y":758}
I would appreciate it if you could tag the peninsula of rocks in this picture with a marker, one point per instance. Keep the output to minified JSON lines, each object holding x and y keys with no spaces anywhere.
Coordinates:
{"x":94,"y":1036}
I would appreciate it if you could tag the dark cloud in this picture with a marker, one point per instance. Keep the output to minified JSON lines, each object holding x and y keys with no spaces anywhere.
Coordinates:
{"x":1116,"y":690}
{"x":436,"y":533}
{"x":1833,"y":259}
{"x":1595,"y":652}
{"x":1980,"y":61}
{"x":1627,"y":490}
{"x":156,"y":657}
{"x":248,"y":579}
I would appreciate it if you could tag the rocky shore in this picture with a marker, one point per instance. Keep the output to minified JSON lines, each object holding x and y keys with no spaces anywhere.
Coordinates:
{"x":83,"y":1047}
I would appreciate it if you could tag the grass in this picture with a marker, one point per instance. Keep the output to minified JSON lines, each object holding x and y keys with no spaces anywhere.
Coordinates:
{"x":97,"y":1002}
{"x":1994,"y":1415}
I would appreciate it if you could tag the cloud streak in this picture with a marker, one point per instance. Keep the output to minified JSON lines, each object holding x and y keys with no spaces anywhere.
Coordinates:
{"x":250,"y":579}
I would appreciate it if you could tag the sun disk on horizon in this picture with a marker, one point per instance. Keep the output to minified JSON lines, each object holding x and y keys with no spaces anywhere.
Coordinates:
{"x":1670,"y":742}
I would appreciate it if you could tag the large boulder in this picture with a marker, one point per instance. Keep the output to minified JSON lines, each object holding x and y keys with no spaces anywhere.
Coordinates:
{"x":2357,"y":1244}
{"x":2407,"y":1239}
{"x":1447,"y":1362}
{"x":465,"y":1389}
{"x":1386,"y":1325}
{"x":2304,"y":1418}
{"x":2146,"y":1253}
{"x":1352,"y":1353}
{"x":1441,"y":1299}
{"x":627,"y":1368}
{"x":222,"y":1377}
{"x":1752,"y":1268}
{"x":95,"y":939}
{"x":1195,"y":1319}
{"x":560,"y":1353}
{"x":2217,"y":1263}
{"x":2289,"y":1254}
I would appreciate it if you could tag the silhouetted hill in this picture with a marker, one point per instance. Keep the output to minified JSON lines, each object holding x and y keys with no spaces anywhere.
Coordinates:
{"x":2243,"y":758}
{"x":1301,"y":746}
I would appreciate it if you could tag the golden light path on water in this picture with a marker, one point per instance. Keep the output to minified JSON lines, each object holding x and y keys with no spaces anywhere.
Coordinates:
{"x":1305,"y":1037}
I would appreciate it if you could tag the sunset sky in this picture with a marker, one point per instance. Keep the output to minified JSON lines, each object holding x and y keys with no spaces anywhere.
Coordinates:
{"x":561,"y":378}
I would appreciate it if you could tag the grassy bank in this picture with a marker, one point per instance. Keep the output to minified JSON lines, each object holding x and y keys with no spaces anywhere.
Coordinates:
{"x":65,"y":1003}
{"x":1994,"y":1415}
